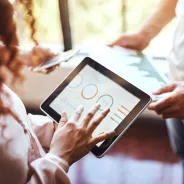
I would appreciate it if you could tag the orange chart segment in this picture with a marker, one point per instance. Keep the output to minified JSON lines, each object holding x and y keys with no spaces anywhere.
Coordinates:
{"x":89,"y":91}
{"x":123,"y":110}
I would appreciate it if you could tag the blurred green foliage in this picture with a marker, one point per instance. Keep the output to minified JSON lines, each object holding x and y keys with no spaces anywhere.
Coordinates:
{"x":90,"y":19}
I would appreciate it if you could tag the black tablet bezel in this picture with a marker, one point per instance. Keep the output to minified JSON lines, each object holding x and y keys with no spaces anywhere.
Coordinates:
{"x":145,"y":99}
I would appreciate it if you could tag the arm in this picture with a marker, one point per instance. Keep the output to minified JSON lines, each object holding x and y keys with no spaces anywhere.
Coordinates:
{"x":44,"y":129}
{"x":29,"y":57}
{"x":163,"y":14}
{"x":139,"y":40}
{"x":71,"y":141}
{"x":4,"y":54}
{"x":21,"y":54}
{"x":49,"y":170}
{"x":17,"y":159}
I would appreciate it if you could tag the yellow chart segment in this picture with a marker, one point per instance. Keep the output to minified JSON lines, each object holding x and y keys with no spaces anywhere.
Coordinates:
{"x":123,"y":110}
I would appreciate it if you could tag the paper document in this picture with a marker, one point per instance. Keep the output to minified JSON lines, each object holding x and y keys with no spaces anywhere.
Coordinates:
{"x":137,"y":70}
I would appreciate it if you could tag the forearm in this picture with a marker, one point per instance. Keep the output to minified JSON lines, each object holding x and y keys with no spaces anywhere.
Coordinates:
{"x":4,"y":54}
{"x":49,"y":170}
{"x":163,"y":14}
{"x":23,"y":55}
{"x":44,"y":129}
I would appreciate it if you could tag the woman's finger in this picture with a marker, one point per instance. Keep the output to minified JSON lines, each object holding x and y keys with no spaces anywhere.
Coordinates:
{"x":98,"y":120}
{"x":63,"y":120}
{"x":101,"y":137}
{"x":90,"y":114}
{"x":43,"y":71}
{"x":52,"y":68}
{"x":49,"y":70}
{"x":77,"y":114}
{"x":55,"y":126}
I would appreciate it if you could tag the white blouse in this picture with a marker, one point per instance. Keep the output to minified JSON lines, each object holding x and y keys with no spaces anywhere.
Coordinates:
{"x":176,"y":57}
{"x":22,"y":157}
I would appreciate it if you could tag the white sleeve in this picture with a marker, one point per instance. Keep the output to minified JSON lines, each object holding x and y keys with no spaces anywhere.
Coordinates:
{"x":49,"y":170}
{"x":43,"y":127}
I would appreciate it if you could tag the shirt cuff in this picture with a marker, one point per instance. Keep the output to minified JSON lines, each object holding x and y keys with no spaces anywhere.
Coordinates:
{"x":62,"y":163}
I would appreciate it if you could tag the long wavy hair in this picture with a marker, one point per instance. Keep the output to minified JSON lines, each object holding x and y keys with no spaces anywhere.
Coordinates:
{"x":8,"y":38}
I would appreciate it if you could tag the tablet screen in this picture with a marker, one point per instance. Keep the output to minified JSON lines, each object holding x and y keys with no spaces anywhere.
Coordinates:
{"x":89,"y":87}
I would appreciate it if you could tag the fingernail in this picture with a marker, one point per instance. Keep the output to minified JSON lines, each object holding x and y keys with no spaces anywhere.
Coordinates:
{"x":63,"y":113}
{"x":107,"y":109}
{"x":98,"y":105}
{"x":81,"y":107}
{"x":112,"y":132}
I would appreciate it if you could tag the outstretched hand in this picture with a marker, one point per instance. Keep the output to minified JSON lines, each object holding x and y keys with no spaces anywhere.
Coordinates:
{"x":135,"y":41}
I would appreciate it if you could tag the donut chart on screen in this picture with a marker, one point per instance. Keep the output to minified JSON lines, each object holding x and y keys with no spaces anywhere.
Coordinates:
{"x":76,"y":82}
{"x":89,"y":91}
{"x":105,"y":101}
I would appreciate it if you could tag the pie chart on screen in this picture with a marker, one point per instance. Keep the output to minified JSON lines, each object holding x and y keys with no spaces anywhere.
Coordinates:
{"x":89,"y":91}
{"x":76,"y":82}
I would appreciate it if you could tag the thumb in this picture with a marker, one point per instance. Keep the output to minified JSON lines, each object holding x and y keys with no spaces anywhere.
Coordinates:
{"x":165,"y":89}
{"x":63,"y":120}
{"x":122,"y":42}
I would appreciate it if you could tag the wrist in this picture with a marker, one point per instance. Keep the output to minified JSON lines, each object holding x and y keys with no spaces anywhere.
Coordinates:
{"x":60,"y":161}
{"x":25,"y":56}
{"x":146,"y":35}
{"x":63,"y":156}
{"x":4,"y":54}
{"x":150,"y":30}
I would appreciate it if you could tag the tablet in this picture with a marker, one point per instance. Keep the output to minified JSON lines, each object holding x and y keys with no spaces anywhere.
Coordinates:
{"x":90,"y":83}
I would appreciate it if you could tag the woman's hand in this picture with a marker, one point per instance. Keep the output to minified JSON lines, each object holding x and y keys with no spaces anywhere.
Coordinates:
{"x":73,"y":139}
{"x":171,"y":106}
{"x":37,"y":56}
{"x":137,"y":41}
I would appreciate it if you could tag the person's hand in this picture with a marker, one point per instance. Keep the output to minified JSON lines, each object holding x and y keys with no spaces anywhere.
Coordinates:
{"x":73,"y":139}
{"x":37,"y":56}
{"x":137,"y":41}
{"x":171,"y":106}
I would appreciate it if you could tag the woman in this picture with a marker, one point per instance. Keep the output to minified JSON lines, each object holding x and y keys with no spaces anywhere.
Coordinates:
{"x":22,"y":138}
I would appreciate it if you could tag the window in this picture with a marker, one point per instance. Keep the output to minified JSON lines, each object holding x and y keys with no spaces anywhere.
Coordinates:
{"x":48,"y":23}
{"x":99,"y":20}
{"x":105,"y":20}
{"x":95,"y":20}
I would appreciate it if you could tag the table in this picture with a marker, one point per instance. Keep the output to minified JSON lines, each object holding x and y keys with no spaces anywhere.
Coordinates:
{"x":37,"y":87}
